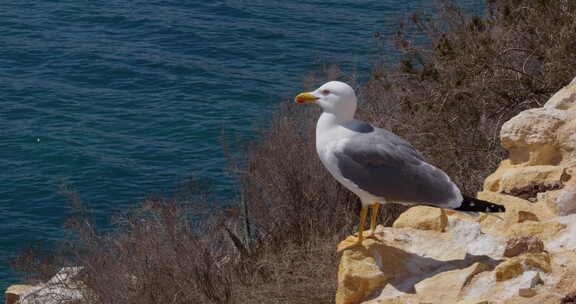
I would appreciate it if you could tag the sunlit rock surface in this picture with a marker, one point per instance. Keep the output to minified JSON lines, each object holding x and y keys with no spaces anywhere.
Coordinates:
{"x":528,"y":255}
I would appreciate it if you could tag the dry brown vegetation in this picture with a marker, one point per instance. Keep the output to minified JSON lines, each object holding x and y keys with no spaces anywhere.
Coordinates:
{"x":448,"y":95}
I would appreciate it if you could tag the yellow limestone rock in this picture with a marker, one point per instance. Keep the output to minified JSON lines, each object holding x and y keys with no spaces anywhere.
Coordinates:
{"x":423,"y":218}
{"x":558,"y":199}
{"x":526,"y":216}
{"x":530,"y":137}
{"x":566,"y":265}
{"x":542,"y":159}
{"x":563,"y":202}
{"x":410,"y":256}
{"x":518,"y":246}
{"x":526,"y":292}
{"x":492,"y":182}
{"x":446,"y":287}
{"x":542,"y":230}
{"x":538,"y":261}
{"x":564,"y":99}
{"x":566,"y":137}
{"x":405,"y":299}
{"x":517,"y":265}
{"x":422,"y":266}
{"x":515,"y":178}
{"x":509,"y":269}
{"x":365,"y":269}
{"x":517,"y":211}
{"x":13,"y":293}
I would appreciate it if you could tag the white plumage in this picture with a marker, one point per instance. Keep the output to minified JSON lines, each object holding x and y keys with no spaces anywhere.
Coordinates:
{"x":376,"y":164}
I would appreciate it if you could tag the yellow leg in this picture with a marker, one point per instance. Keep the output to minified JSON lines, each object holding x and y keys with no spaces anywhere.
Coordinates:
{"x":363,"y":214}
{"x":373,"y":218}
{"x":352,"y":240}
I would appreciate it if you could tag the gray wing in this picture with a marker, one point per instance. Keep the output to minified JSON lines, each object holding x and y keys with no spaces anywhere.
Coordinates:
{"x":385,"y":165}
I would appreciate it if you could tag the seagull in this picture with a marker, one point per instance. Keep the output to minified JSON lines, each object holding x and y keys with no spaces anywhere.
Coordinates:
{"x":376,"y":164}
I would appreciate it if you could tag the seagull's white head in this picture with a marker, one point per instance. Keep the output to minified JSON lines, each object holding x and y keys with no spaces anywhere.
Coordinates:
{"x":334,"y":97}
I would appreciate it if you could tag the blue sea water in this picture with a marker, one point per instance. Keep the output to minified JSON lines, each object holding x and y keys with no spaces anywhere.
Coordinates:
{"x":123,"y":98}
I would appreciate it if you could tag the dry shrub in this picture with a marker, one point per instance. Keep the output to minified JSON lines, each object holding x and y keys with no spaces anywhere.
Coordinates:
{"x":159,"y":256}
{"x":36,"y":264}
{"x":162,"y":252}
{"x":448,"y":95}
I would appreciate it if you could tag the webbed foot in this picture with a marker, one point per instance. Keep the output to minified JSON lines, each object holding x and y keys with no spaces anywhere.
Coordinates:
{"x":349,"y":242}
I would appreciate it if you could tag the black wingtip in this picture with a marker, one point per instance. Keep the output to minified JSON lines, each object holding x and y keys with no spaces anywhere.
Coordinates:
{"x":475,"y":205}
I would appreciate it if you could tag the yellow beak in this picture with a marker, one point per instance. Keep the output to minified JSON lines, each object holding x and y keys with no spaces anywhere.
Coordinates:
{"x":305,"y":98}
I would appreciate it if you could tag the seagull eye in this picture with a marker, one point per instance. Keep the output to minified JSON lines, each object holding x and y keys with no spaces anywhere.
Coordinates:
{"x":325,"y":92}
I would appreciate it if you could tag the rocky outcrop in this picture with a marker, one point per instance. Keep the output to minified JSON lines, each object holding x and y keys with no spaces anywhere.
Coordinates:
{"x":526,"y":255}
{"x":14,"y":293}
{"x":540,"y":171}
{"x":460,"y":265}
{"x":62,"y":288}
{"x":429,"y":219}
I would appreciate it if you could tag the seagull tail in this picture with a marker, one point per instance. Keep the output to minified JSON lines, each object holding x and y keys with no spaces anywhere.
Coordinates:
{"x":470,"y":204}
